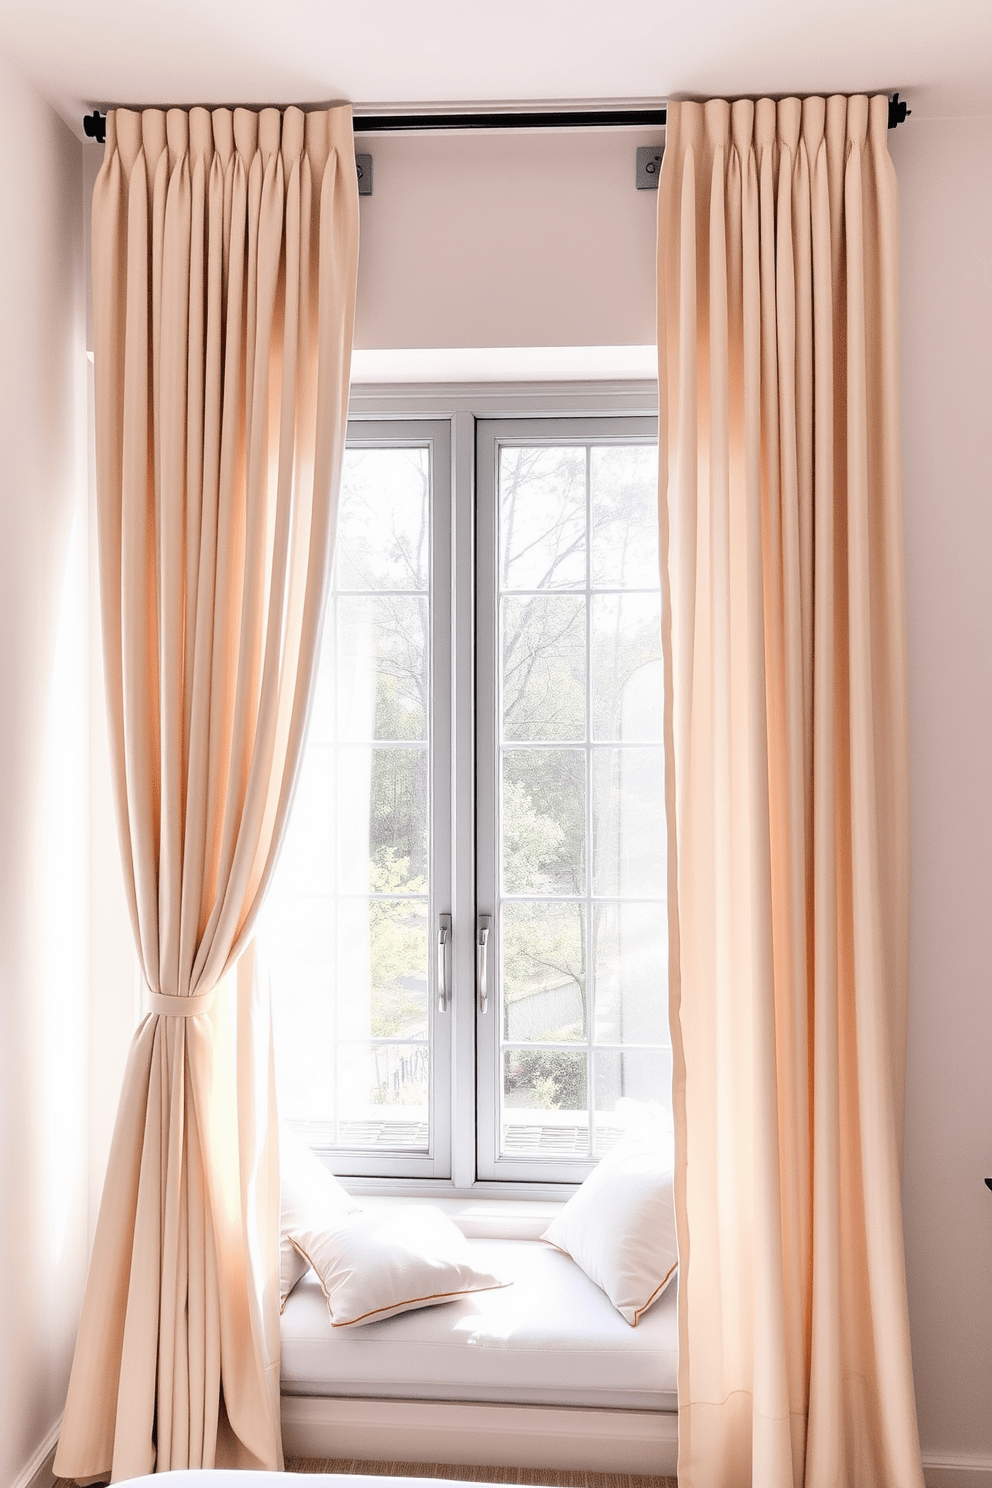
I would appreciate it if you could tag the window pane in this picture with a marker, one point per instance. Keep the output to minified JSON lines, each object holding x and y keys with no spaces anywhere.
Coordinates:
{"x":544,"y":971}
{"x":302,"y":978}
{"x":544,"y":821}
{"x":347,"y":971}
{"x":309,"y":850}
{"x":627,"y":679}
{"x":631,"y":950}
{"x":624,"y":480}
{"x":345,"y":928}
{"x":382,"y":533}
{"x":384,"y":1095}
{"x":382,"y":667}
{"x":542,"y":517}
{"x":397,"y":819}
{"x":397,"y":940}
{"x":580,"y":857}
{"x":630,"y":853}
{"x":545,"y":1109}
{"x":544,"y":668}
{"x":644,"y":1075}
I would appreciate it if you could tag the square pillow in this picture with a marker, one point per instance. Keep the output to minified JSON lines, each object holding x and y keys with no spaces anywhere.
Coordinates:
{"x":311,"y":1199}
{"x":619,"y":1226}
{"x":380,"y":1262}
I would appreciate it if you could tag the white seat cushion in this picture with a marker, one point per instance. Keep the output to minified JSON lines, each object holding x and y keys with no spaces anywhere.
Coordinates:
{"x":552,"y":1338}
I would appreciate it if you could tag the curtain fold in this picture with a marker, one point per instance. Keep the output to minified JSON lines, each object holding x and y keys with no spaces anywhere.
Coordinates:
{"x":224,"y":270}
{"x":787,"y":790}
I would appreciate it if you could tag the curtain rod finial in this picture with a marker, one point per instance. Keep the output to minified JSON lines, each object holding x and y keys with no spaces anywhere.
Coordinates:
{"x":95,"y":127}
{"x":899,"y":111}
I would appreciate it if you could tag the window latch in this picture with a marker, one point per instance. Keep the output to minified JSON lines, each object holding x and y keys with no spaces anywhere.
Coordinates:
{"x":443,"y":936}
{"x":482,"y":961}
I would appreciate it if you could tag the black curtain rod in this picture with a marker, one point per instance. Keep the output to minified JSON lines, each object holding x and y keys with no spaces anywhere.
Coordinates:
{"x":95,"y":124}
{"x":511,"y":119}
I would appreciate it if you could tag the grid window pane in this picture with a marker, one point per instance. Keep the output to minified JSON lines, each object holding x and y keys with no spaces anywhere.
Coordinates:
{"x":630,"y":848}
{"x":544,"y":667}
{"x":385,"y":1090}
{"x":627,"y":679}
{"x":302,"y":977}
{"x":307,"y":862}
{"x":543,"y":517}
{"x":398,"y":835}
{"x":345,"y":931}
{"x":585,"y":668}
{"x":544,"y":821}
{"x":624,"y":480}
{"x":382,"y":538}
{"x":631,"y":959}
{"x":397,"y":937}
{"x":641,"y":1075}
{"x":545,"y":1102}
{"x":382,"y":667}
{"x":544,"y":971}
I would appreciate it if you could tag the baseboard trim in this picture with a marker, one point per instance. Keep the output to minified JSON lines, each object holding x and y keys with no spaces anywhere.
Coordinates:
{"x":39,"y":1473}
{"x":957,"y":1472}
{"x":533,"y":1436}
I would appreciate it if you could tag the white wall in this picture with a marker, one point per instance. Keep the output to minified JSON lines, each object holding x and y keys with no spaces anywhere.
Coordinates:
{"x":536,"y":238}
{"x":43,"y":903}
{"x":945,"y":177}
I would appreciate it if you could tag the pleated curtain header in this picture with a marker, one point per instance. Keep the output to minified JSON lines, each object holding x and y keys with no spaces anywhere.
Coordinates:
{"x":210,"y":136}
{"x":748,"y":123}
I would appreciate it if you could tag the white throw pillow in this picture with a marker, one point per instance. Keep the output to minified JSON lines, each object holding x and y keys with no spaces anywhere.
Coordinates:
{"x":620,"y":1225}
{"x":377,"y":1263}
{"x":311,"y":1199}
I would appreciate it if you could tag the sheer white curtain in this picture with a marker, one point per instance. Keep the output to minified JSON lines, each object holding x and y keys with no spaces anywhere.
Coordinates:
{"x":224,"y":268}
{"x":787,"y":790}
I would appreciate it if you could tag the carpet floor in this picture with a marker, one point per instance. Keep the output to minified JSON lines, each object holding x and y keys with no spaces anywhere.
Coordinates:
{"x":534,"y":1477}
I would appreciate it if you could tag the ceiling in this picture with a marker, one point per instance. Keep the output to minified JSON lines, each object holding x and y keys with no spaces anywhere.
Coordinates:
{"x":938,"y":53}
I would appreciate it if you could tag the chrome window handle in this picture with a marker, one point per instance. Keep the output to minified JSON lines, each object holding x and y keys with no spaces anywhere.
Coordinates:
{"x":443,"y":936}
{"x":482,"y":961}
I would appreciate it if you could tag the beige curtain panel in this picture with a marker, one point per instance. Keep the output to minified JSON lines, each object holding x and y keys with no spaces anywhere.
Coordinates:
{"x":224,"y":266}
{"x":787,"y":791}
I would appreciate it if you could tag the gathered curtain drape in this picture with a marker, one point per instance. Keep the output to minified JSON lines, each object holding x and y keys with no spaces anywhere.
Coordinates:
{"x":787,"y":790}
{"x":224,"y":268}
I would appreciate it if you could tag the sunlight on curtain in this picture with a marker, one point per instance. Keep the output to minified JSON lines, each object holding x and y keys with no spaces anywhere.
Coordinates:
{"x":787,"y":790}
{"x":224,"y":267}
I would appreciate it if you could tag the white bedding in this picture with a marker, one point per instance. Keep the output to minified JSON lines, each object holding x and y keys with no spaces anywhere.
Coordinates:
{"x":553,"y":1338}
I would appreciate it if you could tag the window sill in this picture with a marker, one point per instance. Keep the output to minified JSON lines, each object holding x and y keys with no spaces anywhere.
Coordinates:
{"x":479,"y":1215}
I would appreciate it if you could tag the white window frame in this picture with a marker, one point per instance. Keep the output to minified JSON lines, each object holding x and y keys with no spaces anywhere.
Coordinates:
{"x":461,"y":407}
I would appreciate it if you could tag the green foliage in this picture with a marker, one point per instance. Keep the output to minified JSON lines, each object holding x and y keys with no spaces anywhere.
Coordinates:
{"x":397,"y":942}
{"x":532,"y":841}
{"x":548,"y":1079}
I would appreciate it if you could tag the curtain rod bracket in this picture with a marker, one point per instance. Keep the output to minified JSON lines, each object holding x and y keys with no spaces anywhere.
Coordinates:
{"x":95,"y":127}
{"x":647,"y":167}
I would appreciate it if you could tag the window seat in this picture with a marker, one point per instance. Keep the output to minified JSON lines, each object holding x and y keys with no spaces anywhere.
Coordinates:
{"x":541,"y":1373}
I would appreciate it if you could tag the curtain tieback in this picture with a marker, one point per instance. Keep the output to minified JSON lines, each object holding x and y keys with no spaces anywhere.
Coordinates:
{"x":181,"y":1007}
